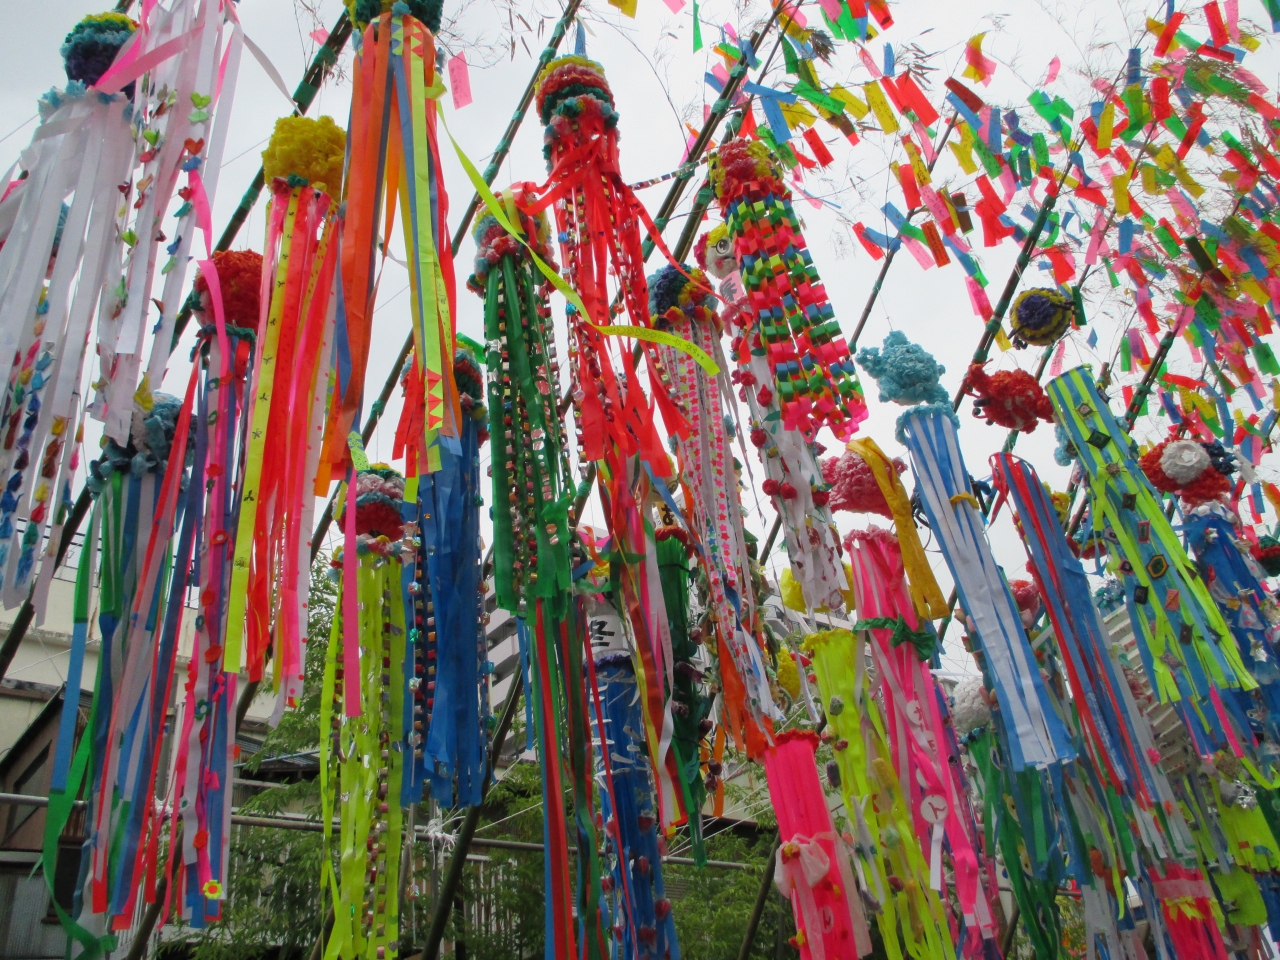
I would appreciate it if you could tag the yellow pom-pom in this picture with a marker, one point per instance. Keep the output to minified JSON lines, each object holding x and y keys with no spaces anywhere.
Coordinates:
{"x":307,"y":148}
{"x":788,"y":673}
{"x":792,"y":595}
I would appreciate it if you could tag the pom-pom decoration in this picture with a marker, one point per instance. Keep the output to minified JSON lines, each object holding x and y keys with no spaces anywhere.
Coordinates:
{"x":970,"y":710}
{"x":427,"y":12}
{"x":1185,"y":468}
{"x":308,"y":150}
{"x":1267,"y":553}
{"x":1012,"y":399}
{"x":790,"y":317}
{"x":493,"y":243}
{"x":853,"y":484}
{"x":239,"y":286}
{"x":1040,"y":317}
{"x":92,"y":45}
{"x":907,"y":375}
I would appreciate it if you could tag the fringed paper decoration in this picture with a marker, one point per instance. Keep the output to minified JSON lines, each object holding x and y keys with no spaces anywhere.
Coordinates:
{"x":690,"y":708}
{"x":1012,"y":399}
{"x":907,"y":374}
{"x":270,"y":581}
{"x":597,"y":220}
{"x":1197,"y":472}
{"x":643,"y":925}
{"x":791,"y":321}
{"x":394,"y":155}
{"x":362,"y":722}
{"x":447,"y":657}
{"x":205,"y":737}
{"x":1186,"y":647}
{"x":813,"y":868}
{"x":184,"y":103}
{"x":901,"y":646}
{"x":532,"y":483}
{"x":1035,"y":736}
{"x":85,"y":143}
{"x":793,"y":476}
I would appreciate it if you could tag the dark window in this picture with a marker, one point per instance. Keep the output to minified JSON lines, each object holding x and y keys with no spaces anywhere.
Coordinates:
{"x":20,"y":813}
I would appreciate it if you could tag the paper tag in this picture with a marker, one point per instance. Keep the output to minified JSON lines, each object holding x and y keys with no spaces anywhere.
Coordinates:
{"x":460,"y":81}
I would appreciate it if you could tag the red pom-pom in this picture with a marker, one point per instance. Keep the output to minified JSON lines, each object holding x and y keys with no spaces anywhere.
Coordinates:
{"x":764,"y":396}
{"x":853,"y":485}
{"x":758,"y":437}
{"x":821,"y":498}
{"x":771,"y":487}
{"x":1208,"y":486}
{"x":787,"y":491}
{"x":379,"y":519}
{"x":1025,"y":594}
{"x":1012,"y":399}
{"x":239,"y":283}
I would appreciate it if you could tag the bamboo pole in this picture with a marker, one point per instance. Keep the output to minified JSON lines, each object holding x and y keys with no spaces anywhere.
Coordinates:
{"x":762,"y":898}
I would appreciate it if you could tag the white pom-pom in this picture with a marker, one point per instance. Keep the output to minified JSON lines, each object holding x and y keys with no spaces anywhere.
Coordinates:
{"x":969,"y":709}
{"x":1184,"y":460}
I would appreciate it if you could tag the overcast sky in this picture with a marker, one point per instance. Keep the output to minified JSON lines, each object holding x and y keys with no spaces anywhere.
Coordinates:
{"x":657,"y":80}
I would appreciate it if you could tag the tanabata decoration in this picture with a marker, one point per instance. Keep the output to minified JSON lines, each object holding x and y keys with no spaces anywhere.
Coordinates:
{"x":447,"y":663}
{"x":1012,"y":399}
{"x":597,"y":218}
{"x":643,"y":925}
{"x":271,"y":574}
{"x":813,"y":869}
{"x":55,"y":261}
{"x":793,"y":475}
{"x":892,"y":866}
{"x":362,"y":755}
{"x":217,"y":405}
{"x":1041,"y":317}
{"x":394,"y":154}
{"x":1196,"y":471}
{"x":184,"y":103}
{"x":791,"y":320}
{"x":1187,"y":649}
{"x":1031,"y":731}
{"x":127,"y":555}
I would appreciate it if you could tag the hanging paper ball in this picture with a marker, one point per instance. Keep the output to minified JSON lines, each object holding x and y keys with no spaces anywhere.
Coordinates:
{"x":571,"y":89}
{"x":379,"y":493}
{"x":853,"y":485}
{"x":240,"y":284}
{"x":714,"y":252}
{"x":427,"y":12}
{"x":150,"y":440}
{"x":470,"y":380}
{"x":1185,"y":467}
{"x":90,"y":48}
{"x":305,"y":151}
{"x":1026,"y":595}
{"x":676,"y":296}
{"x":493,"y":243}
{"x":1012,"y":399}
{"x":969,"y":709}
{"x":1041,"y":316}
{"x":906,"y":373}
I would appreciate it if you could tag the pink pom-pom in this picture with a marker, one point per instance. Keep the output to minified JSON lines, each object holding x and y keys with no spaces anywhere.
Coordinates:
{"x":853,"y":485}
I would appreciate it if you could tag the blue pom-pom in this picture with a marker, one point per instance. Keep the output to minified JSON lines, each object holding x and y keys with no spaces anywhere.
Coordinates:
{"x":906,"y":373}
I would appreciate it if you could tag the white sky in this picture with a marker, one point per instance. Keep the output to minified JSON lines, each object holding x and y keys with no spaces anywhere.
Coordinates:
{"x":656,"y":76}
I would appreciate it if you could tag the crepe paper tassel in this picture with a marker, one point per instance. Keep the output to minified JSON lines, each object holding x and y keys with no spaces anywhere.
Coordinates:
{"x":901,"y":644}
{"x":270,"y":582}
{"x":1031,"y":732}
{"x":446,"y":658}
{"x":892,"y":868}
{"x":531,"y":539}
{"x":204,"y":747}
{"x":643,"y":925}
{"x":1187,"y":649}
{"x":361,"y":753}
{"x":1012,"y":399}
{"x":394,"y":157}
{"x":1040,"y":317}
{"x":691,"y":709}
{"x":792,"y":323}
{"x":55,"y":260}
{"x":184,"y":134}
{"x":813,"y":868}
{"x":597,"y":219}
{"x":1119,"y":739}
{"x":681,"y":302}
{"x":1198,"y":472}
